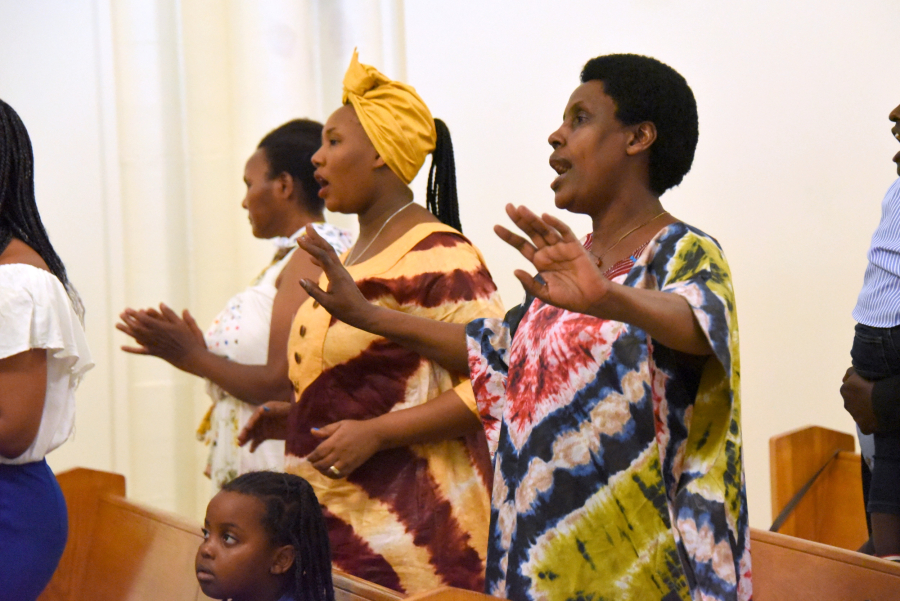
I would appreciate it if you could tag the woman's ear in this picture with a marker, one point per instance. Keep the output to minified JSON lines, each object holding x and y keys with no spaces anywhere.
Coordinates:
{"x":284,"y":185}
{"x":283,"y":560}
{"x":643,"y":135}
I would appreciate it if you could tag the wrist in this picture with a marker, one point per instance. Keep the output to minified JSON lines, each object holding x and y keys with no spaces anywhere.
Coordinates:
{"x":369,"y":318}
{"x":608,"y":306}
{"x":192,"y":362}
{"x":380,"y":432}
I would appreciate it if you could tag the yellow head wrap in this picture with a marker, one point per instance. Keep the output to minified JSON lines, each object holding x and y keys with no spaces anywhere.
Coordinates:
{"x":394,"y":117}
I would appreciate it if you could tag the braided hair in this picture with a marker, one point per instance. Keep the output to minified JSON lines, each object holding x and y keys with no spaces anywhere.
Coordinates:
{"x":440,"y":197}
{"x":293,"y":517}
{"x":19,"y":217}
{"x":289,"y":149}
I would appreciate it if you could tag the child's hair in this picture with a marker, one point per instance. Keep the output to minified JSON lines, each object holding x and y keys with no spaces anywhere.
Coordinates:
{"x":293,"y":517}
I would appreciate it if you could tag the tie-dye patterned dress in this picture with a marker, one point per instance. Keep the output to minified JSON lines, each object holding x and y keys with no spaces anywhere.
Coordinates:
{"x":413,"y":518}
{"x":618,"y":465}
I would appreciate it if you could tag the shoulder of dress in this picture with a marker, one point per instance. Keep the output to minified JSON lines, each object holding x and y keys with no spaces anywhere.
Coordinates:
{"x":16,"y":278}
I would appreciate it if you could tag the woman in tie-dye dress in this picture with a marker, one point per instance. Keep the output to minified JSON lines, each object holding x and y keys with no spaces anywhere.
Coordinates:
{"x":610,"y":398}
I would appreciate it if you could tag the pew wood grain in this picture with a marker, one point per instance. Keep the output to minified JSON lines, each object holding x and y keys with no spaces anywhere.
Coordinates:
{"x":832,"y":510}
{"x":119,"y":550}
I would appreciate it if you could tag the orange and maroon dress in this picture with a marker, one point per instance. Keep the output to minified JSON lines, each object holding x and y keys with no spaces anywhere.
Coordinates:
{"x":412,"y":518}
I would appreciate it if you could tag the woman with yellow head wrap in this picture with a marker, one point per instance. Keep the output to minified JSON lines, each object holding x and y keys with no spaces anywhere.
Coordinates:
{"x":405,"y":493}
{"x":611,"y":399}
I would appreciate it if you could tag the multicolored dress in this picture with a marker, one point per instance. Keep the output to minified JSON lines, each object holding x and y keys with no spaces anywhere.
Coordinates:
{"x":618,"y":467}
{"x":412,"y":518}
{"x":240,"y":333}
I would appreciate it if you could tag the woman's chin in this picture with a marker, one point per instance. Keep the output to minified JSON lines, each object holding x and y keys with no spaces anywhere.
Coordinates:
{"x":566,"y":202}
{"x":335,"y":206}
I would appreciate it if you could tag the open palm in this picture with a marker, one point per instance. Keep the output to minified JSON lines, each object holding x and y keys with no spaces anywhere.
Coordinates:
{"x":342,"y":297}
{"x":567,"y":276}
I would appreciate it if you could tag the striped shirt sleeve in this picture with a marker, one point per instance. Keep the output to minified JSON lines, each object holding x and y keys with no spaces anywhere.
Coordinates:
{"x":878,"y":305}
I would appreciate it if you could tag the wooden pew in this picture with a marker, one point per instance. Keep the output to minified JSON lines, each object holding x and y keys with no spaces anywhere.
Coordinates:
{"x":832,"y":511}
{"x":121,"y":551}
{"x":118,"y":550}
{"x":790,"y":568}
{"x":785,"y":568}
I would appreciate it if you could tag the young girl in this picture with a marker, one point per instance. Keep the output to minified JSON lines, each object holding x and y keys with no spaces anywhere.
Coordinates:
{"x":265,"y":540}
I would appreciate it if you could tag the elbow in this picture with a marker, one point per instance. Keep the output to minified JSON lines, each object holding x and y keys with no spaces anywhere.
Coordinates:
{"x":16,"y":435}
{"x":14,"y":444}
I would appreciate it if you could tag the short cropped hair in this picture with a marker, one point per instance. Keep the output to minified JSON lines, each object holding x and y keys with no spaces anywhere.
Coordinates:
{"x":645,"y":89}
{"x":289,"y":149}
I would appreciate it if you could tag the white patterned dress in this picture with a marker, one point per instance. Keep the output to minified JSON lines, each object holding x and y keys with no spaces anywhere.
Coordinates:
{"x":241,"y":334}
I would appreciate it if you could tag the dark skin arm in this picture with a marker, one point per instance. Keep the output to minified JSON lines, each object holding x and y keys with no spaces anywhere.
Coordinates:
{"x":873,"y":405}
{"x":348,"y":444}
{"x":179,"y":341}
{"x":23,"y":376}
{"x":23,"y":386}
{"x":442,"y":342}
{"x":574,"y":282}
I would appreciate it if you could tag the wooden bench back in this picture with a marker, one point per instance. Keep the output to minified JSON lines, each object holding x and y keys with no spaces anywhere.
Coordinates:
{"x":832,"y":511}
{"x":121,"y":551}
{"x":790,"y":568}
{"x":118,"y":550}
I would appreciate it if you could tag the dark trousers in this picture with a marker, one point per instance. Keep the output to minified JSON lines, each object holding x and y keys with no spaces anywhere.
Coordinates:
{"x":876,"y":355}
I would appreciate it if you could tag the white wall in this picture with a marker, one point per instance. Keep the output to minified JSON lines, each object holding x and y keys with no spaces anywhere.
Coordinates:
{"x":793,"y":159}
{"x":52,"y":73}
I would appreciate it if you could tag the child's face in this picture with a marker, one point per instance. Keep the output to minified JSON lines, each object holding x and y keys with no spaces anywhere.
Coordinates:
{"x":237,"y":560}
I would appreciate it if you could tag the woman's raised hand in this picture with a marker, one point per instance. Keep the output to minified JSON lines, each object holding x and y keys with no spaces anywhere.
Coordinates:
{"x":163,"y":334}
{"x":342,"y":298}
{"x":269,"y":422}
{"x":569,"y":278}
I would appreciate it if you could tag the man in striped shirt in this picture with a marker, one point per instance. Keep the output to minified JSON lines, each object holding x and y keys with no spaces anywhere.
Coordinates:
{"x":876,"y":355}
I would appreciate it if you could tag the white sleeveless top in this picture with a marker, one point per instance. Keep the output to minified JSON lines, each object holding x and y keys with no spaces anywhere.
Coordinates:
{"x":241,"y":333}
{"x":35,"y":313}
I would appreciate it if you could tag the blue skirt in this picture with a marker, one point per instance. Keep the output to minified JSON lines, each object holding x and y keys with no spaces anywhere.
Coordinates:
{"x":33,"y":529}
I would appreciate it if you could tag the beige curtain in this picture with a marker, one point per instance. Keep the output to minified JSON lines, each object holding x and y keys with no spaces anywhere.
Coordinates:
{"x":196,"y":84}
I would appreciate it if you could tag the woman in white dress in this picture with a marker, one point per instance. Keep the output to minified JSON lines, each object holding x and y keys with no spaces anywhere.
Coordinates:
{"x":43,"y":354}
{"x":243,"y":354}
